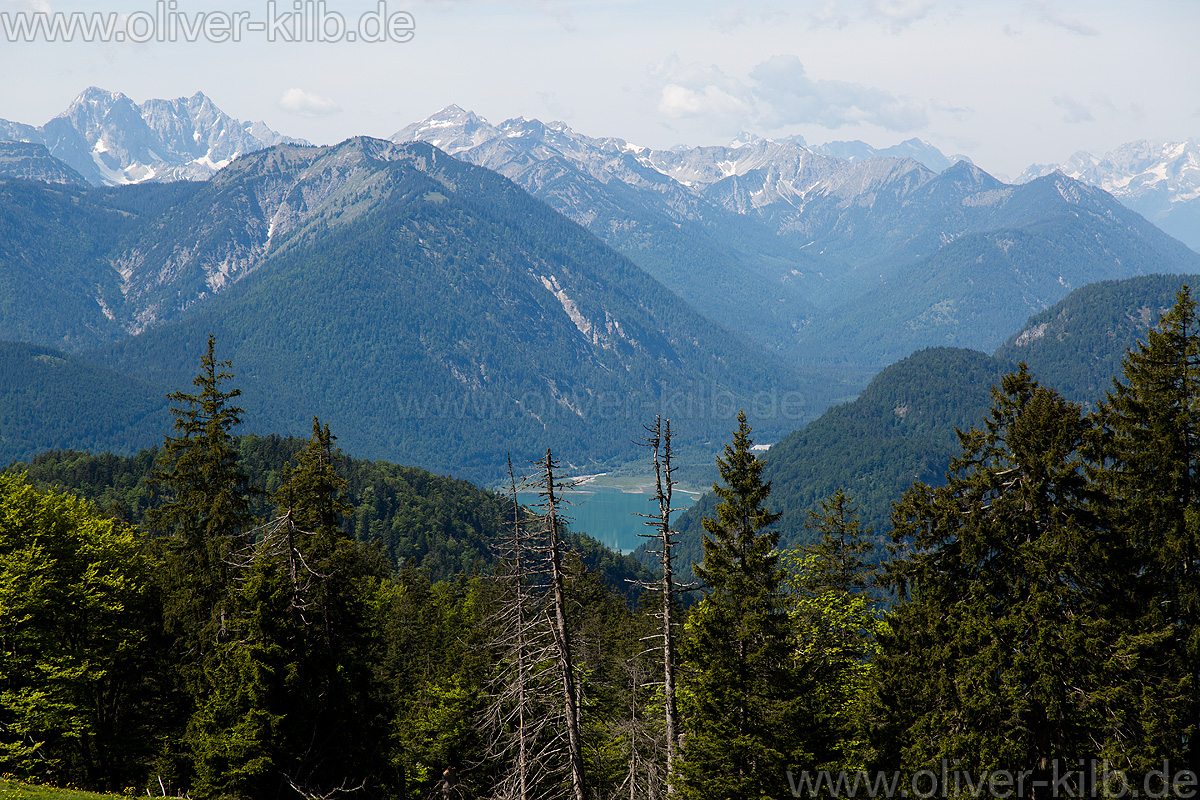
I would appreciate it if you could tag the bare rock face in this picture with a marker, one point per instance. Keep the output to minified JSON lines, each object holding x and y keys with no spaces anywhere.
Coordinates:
{"x":1159,"y":180}
{"x":111,"y":140}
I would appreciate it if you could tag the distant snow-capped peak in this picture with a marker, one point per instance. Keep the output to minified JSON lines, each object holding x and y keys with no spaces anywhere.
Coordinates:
{"x":1159,"y":180}
{"x":110,"y":139}
{"x":463,"y":133}
{"x":1133,"y":169}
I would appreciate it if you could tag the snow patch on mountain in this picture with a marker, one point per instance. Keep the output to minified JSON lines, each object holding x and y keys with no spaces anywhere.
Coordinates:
{"x":1159,"y":180}
{"x":109,"y":139}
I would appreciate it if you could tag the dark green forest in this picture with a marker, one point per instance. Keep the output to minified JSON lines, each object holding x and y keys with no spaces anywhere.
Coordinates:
{"x":899,"y":430}
{"x":232,"y":616}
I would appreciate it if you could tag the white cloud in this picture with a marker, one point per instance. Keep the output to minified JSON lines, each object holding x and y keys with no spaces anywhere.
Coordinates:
{"x":308,"y":104}
{"x":1075,"y":110}
{"x":780,"y":93}
{"x":679,"y":101}
{"x":830,"y":15}
{"x":899,"y":14}
{"x":1051,"y":16}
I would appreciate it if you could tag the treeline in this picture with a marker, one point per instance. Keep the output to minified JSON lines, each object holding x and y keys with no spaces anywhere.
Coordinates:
{"x":191,"y":630}
{"x":1041,"y":631}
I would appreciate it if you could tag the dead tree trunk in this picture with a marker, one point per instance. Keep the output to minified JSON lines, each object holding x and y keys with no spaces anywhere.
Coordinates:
{"x":658,"y":438}
{"x":549,"y":489}
{"x":519,"y":717}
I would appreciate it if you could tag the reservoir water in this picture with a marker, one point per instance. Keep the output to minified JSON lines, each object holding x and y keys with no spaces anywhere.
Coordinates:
{"x":607,"y":513}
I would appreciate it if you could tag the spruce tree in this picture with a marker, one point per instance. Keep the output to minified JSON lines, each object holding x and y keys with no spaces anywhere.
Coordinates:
{"x":1000,"y":654}
{"x":1146,"y":451}
{"x":204,"y":511}
{"x":737,"y":657}
{"x":206,"y":506}
{"x":835,"y":620}
{"x":838,"y":564}
{"x":296,"y":704}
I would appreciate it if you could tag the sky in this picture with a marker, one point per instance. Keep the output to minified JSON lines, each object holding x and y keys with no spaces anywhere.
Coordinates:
{"x":1008,"y":84}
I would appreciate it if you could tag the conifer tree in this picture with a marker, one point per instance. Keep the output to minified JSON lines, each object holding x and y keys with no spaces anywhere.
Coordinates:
{"x":205,"y":510}
{"x":1146,"y":452}
{"x":207,"y":507}
{"x":295,"y":703}
{"x":1000,"y":654}
{"x":737,"y":644}
{"x":836,"y":625}
{"x":838,"y":564}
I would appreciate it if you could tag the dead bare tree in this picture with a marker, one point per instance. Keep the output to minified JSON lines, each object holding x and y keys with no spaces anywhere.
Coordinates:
{"x":550,"y":490}
{"x":531,"y":729}
{"x":278,"y":541}
{"x":658,"y":439}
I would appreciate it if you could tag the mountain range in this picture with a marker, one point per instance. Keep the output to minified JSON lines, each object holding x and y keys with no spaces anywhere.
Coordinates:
{"x":109,"y":139}
{"x":1159,"y":180}
{"x":824,"y":248}
{"x":424,"y":297}
{"x":822,"y":241}
{"x":428,"y":309}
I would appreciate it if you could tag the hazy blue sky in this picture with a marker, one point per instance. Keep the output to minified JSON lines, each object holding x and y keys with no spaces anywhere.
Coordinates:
{"x":1007,"y":83}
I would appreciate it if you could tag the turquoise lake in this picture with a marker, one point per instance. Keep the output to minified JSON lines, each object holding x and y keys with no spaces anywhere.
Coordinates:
{"x":607,"y":514}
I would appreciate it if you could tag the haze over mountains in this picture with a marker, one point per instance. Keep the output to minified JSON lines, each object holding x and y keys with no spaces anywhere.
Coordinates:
{"x":1159,"y":180}
{"x":824,"y":248}
{"x":435,"y":313}
{"x":428,"y":309}
{"x":109,"y":139}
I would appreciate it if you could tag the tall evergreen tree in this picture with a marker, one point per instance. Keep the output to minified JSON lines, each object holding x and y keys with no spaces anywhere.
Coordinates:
{"x":836,"y":623}
{"x":737,"y":647}
{"x":296,"y":705}
{"x":206,"y":507}
{"x":838,"y":564}
{"x":1146,"y":452}
{"x":1000,"y":655}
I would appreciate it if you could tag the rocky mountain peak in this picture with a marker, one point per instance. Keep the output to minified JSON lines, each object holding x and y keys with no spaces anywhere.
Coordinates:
{"x":1159,"y":180}
{"x":110,"y":139}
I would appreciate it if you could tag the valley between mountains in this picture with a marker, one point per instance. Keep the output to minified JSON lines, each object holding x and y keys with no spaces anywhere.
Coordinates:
{"x":467,"y":290}
{"x":270,"y":413}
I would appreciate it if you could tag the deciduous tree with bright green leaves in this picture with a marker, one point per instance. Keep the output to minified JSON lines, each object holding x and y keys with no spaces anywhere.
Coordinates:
{"x":77,"y":624}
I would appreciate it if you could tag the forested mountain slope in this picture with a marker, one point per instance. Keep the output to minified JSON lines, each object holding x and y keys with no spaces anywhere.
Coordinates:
{"x":444,"y":526}
{"x":1077,"y":344}
{"x":52,"y":400}
{"x":899,"y":430}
